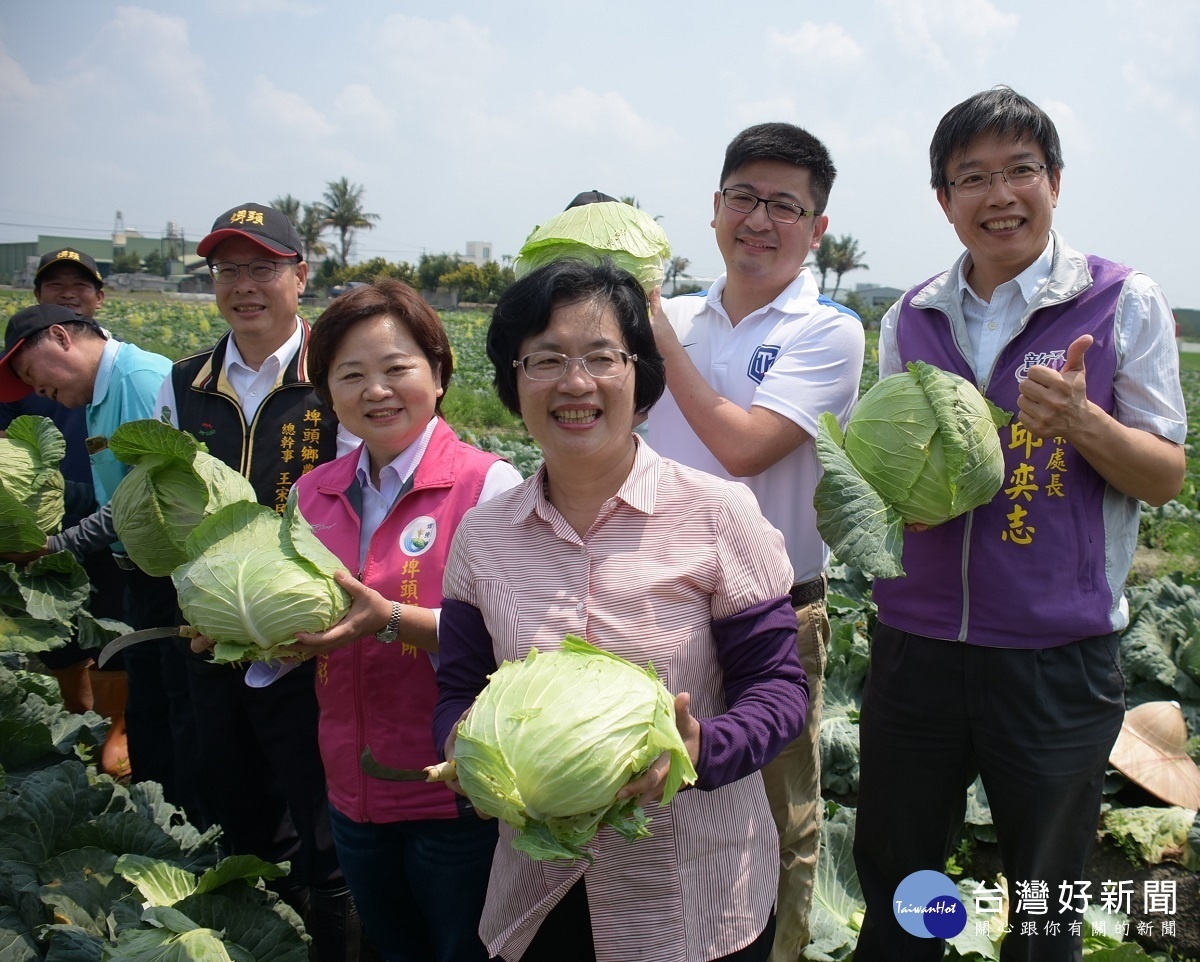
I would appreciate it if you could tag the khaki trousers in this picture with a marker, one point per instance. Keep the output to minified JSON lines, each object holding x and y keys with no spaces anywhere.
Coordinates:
{"x":793,"y":783}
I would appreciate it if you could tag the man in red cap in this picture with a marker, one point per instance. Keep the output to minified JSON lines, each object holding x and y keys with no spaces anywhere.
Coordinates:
{"x":63,"y":356}
{"x":248,"y":398}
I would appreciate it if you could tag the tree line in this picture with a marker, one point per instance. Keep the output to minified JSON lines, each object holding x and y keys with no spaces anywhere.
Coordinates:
{"x":341,"y":210}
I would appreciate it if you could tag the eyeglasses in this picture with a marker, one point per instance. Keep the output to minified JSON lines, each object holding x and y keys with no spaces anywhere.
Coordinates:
{"x":779,"y":211}
{"x":226,"y":272}
{"x":1017,"y":176}
{"x":550,"y":365}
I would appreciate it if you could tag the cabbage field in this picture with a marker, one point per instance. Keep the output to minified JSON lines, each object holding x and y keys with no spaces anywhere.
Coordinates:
{"x":116,"y":864}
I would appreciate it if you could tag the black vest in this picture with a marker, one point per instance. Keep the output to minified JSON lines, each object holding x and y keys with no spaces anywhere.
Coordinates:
{"x":292,"y":431}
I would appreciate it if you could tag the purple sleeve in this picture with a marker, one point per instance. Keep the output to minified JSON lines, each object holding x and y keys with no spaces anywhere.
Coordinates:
{"x":766,"y":692}
{"x":465,"y":660}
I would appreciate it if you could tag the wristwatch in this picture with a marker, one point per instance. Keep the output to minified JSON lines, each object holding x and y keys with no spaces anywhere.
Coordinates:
{"x":387,"y":634}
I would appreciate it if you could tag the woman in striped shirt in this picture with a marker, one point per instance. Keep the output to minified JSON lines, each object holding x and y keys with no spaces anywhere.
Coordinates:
{"x":653,"y":561}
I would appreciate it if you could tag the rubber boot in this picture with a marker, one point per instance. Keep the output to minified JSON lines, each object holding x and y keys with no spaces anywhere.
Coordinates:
{"x":74,"y":685}
{"x":332,"y":921}
{"x":109,"y":691}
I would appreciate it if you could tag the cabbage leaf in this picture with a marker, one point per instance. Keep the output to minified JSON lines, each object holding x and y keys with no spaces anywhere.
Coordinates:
{"x":631,"y":237}
{"x":31,"y":485}
{"x":172,"y":486}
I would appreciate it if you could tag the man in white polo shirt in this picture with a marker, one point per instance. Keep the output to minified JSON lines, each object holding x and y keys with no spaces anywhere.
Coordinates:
{"x":750,"y":367}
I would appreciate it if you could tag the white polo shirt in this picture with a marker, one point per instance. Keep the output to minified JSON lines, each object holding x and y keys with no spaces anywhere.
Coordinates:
{"x":798,"y":356}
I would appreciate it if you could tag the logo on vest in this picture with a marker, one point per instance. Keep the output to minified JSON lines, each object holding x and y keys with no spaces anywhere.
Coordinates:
{"x":764,"y":356}
{"x":419,"y":536}
{"x":206,"y":429}
{"x":1051,"y":359}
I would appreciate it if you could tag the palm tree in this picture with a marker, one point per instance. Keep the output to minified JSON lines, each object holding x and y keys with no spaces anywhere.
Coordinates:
{"x":847,"y":257}
{"x":343,"y":212}
{"x":310,"y":228}
{"x":289,"y":206}
{"x":825,"y":258}
{"x":675,"y":269}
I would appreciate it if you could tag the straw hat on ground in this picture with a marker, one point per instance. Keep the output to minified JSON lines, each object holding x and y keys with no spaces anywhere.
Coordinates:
{"x":1151,"y":750}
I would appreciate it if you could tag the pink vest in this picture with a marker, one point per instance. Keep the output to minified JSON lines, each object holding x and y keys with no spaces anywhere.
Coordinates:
{"x":383,"y":695}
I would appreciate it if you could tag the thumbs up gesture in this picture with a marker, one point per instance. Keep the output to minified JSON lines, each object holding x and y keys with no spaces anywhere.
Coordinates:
{"x":1054,"y":403}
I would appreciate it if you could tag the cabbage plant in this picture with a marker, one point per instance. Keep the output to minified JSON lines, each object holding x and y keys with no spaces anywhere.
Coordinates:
{"x":631,"y":237}
{"x":172,"y":486}
{"x":255,"y":578}
{"x":31,"y":485}
{"x":921,"y":447}
{"x":551,"y":739}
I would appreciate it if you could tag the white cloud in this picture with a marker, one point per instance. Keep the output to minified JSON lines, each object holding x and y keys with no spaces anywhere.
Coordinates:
{"x":934,"y":36}
{"x":357,"y":104}
{"x":15,"y":84}
{"x":814,"y":46}
{"x":150,"y":55}
{"x":1161,"y":98}
{"x":602,"y":115}
{"x":269,"y":106}
{"x":255,"y":8}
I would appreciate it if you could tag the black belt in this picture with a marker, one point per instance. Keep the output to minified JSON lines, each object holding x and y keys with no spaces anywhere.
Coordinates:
{"x":807,"y":593}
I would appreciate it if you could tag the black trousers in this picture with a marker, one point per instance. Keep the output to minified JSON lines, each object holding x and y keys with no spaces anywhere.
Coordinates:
{"x":1037,"y":726}
{"x":263,"y":778}
{"x":164,"y":741}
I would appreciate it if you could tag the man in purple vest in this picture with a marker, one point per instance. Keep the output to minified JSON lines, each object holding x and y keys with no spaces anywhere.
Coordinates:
{"x":997,"y":654}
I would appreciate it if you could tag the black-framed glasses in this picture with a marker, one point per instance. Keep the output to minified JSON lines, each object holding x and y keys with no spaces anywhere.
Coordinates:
{"x":550,"y":365}
{"x":1017,"y":176}
{"x":778,"y":210}
{"x":226,"y":272}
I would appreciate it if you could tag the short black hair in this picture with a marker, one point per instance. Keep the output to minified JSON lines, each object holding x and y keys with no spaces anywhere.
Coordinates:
{"x":389,"y":297}
{"x":790,"y":144}
{"x":1001,"y":112}
{"x":524,"y":310}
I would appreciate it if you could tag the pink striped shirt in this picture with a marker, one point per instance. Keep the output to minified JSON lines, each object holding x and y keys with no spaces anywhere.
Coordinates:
{"x":673,"y":551}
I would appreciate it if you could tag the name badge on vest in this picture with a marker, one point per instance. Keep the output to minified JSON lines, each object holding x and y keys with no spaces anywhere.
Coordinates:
{"x":418,"y":536}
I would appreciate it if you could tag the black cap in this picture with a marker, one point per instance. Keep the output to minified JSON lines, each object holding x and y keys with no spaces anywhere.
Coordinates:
{"x":267,"y":227}
{"x":22,"y":326}
{"x":68,"y":255}
{"x":590,"y":197}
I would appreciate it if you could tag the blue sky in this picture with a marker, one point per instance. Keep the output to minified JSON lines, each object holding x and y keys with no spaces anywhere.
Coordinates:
{"x":476,"y":121}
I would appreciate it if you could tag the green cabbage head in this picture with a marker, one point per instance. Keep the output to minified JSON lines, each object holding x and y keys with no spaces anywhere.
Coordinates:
{"x":255,"y":578}
{"x":31,"y":486}
{"x":551,"y":739}
{"x":171,"y":488}
{"x":631,"y":237}
{"x":921,"y":447}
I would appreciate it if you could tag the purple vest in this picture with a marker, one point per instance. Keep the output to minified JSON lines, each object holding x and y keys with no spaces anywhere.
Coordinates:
{"x":1026,"y":570}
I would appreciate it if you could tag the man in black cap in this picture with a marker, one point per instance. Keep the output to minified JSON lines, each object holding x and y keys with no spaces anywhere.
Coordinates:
{"x":248,"y":398}
{"x":70,"y":278}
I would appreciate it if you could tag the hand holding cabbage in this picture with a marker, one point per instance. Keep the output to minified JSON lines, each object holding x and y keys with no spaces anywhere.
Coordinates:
{"x":552,"y":742}
{"x":632,"y":238}
{"x":255,"y":579}
{"x":921,"y":447}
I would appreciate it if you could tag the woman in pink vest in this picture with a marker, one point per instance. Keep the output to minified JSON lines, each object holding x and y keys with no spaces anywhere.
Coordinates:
{"x":415,"y":856}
